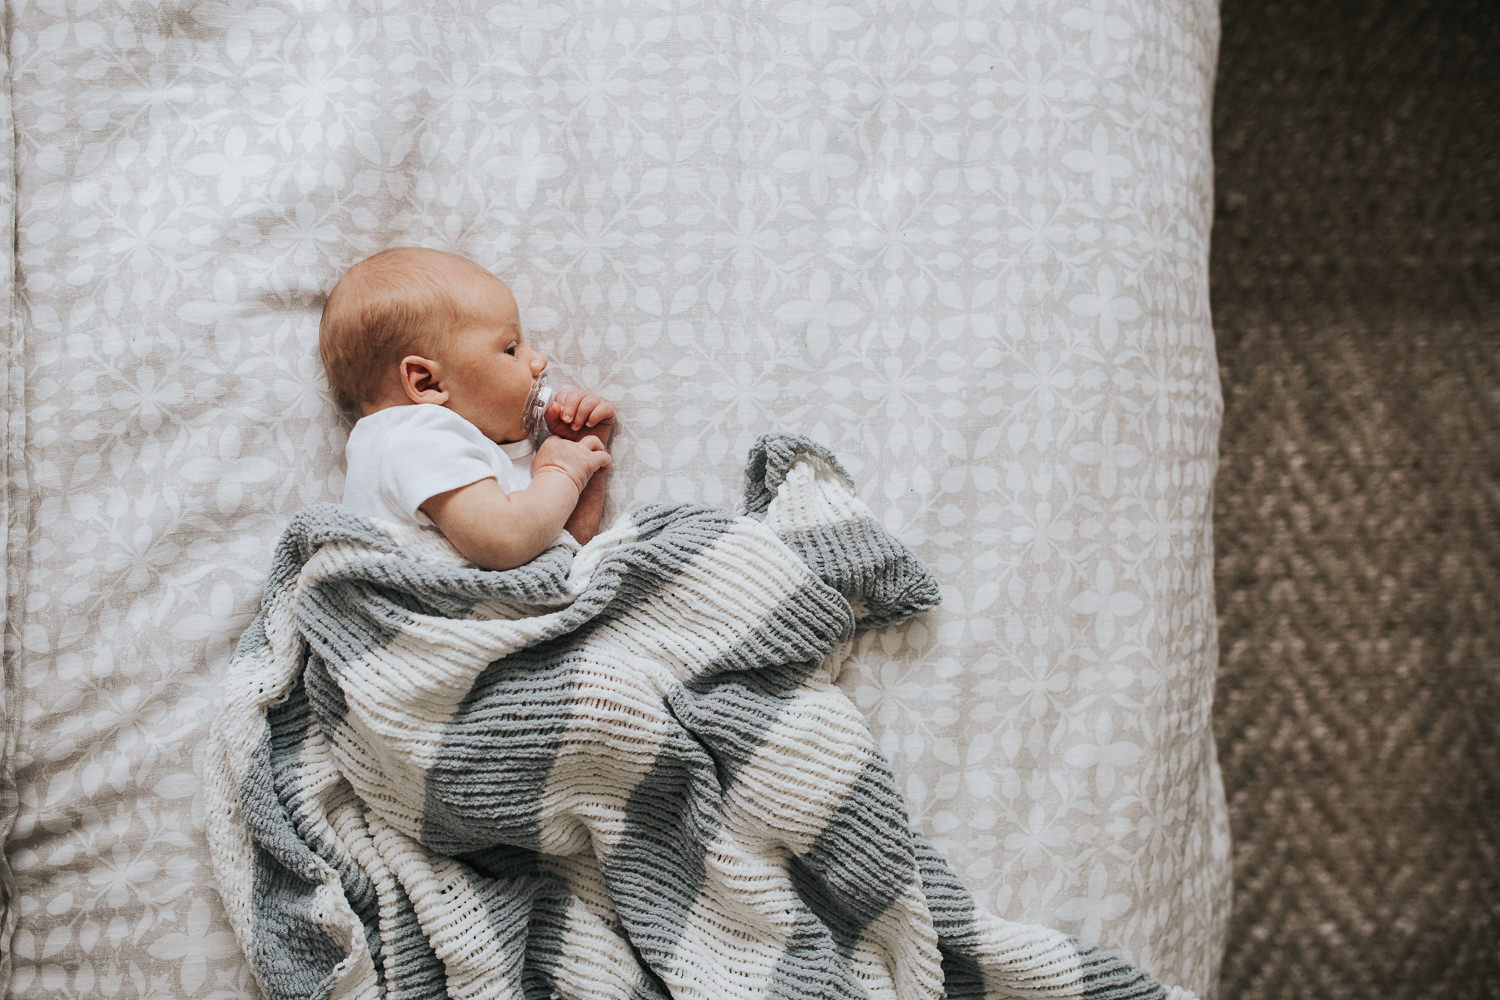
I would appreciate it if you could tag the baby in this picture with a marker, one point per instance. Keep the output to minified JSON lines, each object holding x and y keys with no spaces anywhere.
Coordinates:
{"x":427,"y":348}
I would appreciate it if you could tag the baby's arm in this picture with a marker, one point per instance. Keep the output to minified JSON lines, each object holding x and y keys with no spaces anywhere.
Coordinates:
{"x":499,"y":530}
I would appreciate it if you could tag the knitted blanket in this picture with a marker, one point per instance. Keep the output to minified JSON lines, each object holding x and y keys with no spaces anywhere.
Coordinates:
{"x":620,"y":771}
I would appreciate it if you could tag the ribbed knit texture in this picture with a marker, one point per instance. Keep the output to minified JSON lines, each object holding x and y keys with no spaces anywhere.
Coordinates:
{"x":619,"y":771}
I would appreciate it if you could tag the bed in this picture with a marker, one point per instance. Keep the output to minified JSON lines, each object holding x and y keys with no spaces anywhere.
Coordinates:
{"x":962,"y":244}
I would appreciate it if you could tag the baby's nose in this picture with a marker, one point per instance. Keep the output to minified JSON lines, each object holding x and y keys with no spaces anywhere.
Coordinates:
{"x":538,"y":364}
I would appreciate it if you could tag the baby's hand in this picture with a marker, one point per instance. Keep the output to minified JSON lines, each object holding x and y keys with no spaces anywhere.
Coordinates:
{"x":579,"y":459}
{"x":574,"y":413}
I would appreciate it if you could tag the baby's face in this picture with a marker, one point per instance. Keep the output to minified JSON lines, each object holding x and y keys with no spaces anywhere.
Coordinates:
{"x":488,"y":367}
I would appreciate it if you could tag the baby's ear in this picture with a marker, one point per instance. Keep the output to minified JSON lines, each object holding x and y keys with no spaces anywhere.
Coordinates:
{"x":421,"y":380}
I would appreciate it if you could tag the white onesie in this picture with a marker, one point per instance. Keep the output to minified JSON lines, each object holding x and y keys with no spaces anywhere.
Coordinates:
{"x":400,"y":457}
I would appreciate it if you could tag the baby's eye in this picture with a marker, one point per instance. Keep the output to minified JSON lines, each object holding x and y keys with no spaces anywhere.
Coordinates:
{"x":511,"y":350}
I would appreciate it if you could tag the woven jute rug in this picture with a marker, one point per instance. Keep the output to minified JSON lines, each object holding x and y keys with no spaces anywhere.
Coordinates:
{"x":1356,"y":298}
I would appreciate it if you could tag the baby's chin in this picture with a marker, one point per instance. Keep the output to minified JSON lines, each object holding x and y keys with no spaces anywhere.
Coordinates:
{"x":504,"y":435}
{"x":512,"y":437}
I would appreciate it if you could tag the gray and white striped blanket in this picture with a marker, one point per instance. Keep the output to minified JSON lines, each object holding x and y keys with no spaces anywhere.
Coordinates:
{"x":620,"y":771}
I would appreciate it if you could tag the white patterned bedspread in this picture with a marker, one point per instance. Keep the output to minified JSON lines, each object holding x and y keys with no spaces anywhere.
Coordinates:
{"x":962,"y":242}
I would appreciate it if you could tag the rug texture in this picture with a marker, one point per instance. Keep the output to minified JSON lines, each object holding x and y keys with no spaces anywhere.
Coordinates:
{"x":1355,"y":268}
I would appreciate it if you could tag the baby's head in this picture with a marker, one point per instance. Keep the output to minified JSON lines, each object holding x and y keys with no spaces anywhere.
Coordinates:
{"x":411,"y":325}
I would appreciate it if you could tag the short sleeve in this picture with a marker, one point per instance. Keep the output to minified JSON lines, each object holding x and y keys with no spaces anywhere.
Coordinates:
{"x":401,"y":457}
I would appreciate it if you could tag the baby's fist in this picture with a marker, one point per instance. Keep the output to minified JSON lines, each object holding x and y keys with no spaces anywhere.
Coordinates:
{"x":574,"y":413}
{"x":580,"y":460}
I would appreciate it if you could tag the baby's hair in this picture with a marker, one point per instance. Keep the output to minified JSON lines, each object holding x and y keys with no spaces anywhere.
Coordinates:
{"x":396,"y":303}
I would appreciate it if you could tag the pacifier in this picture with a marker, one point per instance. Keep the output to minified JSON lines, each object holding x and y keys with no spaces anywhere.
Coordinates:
{"x":536,"y":409}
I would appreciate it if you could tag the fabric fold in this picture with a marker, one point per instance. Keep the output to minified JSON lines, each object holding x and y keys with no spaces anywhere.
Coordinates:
{"x":802,"y":492}
{"x":15,"y":511}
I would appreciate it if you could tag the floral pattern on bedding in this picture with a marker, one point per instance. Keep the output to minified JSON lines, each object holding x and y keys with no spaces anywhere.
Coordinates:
{"x":961,"y":242}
